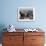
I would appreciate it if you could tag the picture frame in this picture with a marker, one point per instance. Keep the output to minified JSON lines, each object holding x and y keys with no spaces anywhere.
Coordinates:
{"x":26,"y":14}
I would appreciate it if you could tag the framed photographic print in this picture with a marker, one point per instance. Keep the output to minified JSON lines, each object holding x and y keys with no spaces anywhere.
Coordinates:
{"x":26,"y":14}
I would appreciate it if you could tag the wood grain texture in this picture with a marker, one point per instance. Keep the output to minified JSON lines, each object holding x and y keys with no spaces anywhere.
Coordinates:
{"x":23,"y":39}
{"x":13,"y":39}
{"x":34,"y":39}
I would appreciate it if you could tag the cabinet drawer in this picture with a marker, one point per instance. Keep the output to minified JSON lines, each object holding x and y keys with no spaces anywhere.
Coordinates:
{"x":34,"y":33}
{"x":13,"y":33}
{"x":20,"y":44}
{"x":8,"y":45}
{"x":37,"y":44}
{"x":37,"y":39}
{"x":12,"y":39}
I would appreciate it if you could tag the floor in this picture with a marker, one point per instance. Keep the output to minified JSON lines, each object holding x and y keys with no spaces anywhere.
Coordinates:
{"x":0,"y":44}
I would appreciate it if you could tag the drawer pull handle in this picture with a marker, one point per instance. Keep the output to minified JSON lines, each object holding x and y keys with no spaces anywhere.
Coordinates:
{"x":33,"y":39}
{"x":10,"y":38}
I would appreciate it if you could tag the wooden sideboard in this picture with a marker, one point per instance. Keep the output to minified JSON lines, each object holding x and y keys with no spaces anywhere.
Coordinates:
{"x":23,"y":38}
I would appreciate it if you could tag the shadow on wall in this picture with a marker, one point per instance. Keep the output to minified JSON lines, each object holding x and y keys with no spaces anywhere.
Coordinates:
{"x":2,"y":26}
